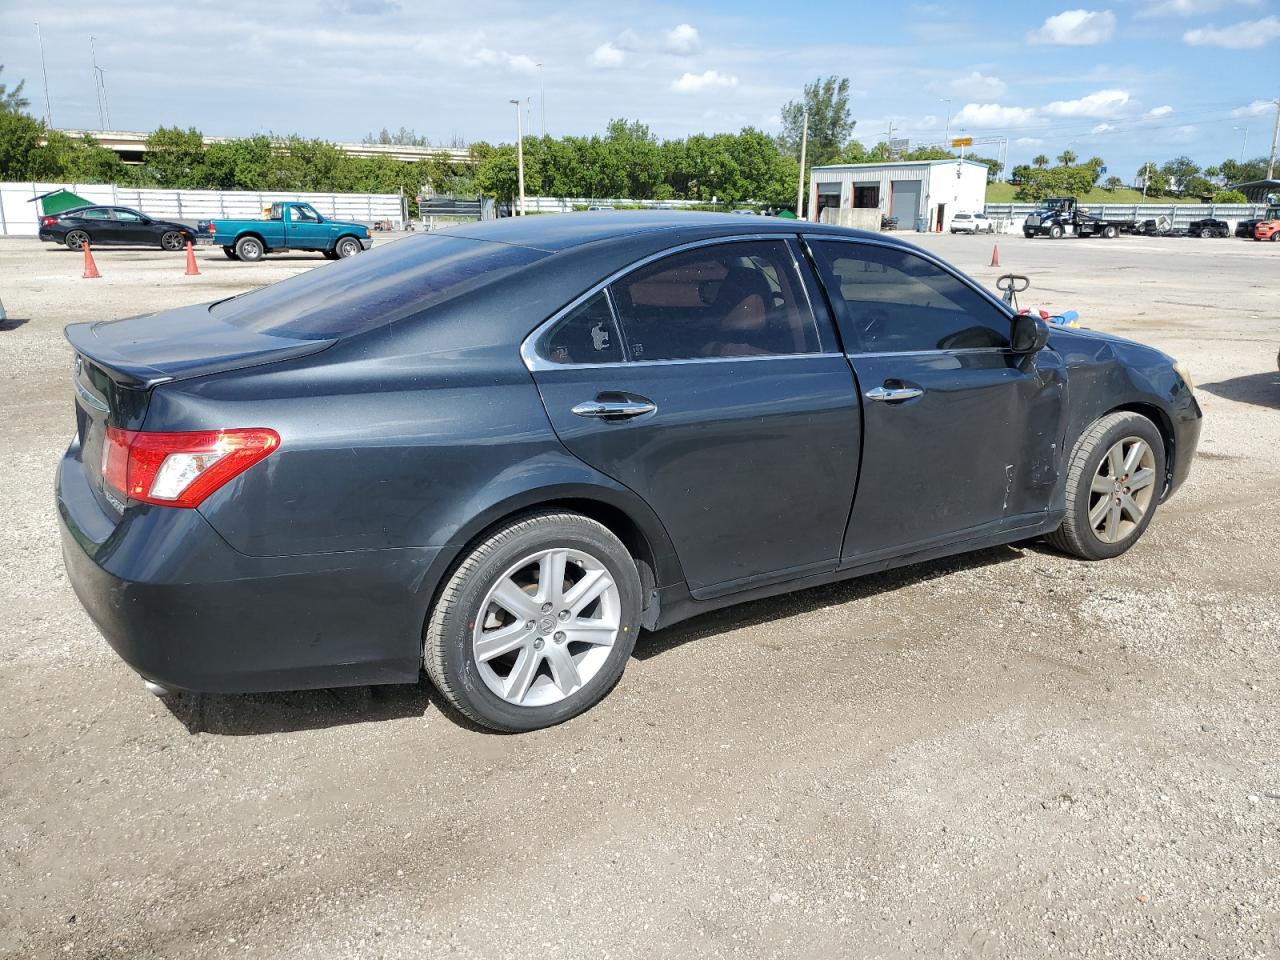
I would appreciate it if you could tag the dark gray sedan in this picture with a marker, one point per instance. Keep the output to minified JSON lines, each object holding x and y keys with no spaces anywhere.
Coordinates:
{"x":498,"y":453}
{"x":99,"y":226}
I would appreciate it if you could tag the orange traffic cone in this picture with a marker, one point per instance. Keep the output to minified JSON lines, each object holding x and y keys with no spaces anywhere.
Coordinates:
{"x":995,"y":255}
{"x":192,"y":269}
{"x":90,"y":268}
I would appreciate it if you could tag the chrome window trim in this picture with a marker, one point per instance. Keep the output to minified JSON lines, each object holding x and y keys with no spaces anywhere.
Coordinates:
{"x":534,"y":361}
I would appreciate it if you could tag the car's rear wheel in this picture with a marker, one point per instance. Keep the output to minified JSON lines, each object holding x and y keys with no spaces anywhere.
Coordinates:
{"x":347,"y":247}
{"x":230,"y":254}
{"x":1275,"y":237}
{"x":1114,"y":482}
{"x":172,"y":240}
{"x":536,"y":623}
{"x":250,"y":249}
{"x":76,"y":239}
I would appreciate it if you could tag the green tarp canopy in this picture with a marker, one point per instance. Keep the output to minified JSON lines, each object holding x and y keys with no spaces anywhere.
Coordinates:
{"x":55,"y":201}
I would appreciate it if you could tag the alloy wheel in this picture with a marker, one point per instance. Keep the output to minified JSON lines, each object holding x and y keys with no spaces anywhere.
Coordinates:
{"x":1122,"y":488}
{"x":546,"y":626}
{"x":76,"y":239}
{"x":173,"y":241}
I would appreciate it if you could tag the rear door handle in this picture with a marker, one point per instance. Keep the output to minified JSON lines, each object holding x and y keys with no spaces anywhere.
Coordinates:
{"x":614,"y":409}
{"x":890,"y":394}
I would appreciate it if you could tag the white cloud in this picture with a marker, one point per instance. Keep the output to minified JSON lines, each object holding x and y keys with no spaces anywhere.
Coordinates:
{"x":977,"y":86}
{"x":1102,"y":128}
{"x":1103,"y":104}
{"x":992,"y":115}
{"x":1247,"y":35}
{"x":1161,"y":111}
{"x":707,"y":80}
{"x":516,"y":62}
{"x":1185,"y":134}
{"x":1188,"y":8}
{"x":1028,"y":142}
{"x":683,"y":39}
{"x":606,"y":55}
{"x":1076,"y":28}
{"x":1253,"y":109}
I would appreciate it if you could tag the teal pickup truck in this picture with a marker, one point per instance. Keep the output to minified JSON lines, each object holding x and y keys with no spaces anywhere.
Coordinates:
{"x":290,"y":226}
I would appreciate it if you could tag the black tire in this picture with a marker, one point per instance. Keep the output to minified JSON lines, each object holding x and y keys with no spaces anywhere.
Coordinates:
{"x":1109,"y":233}
{"x":1029,"y":234}
{"x":1275,"y":237}
{"x":230,"y":254}
{"x":448,"y":653}
{"x":1206,"y":233}
{"x":1055,"y":232}
{"x":1076,"y":536}
{"x":347,"y":246}
{"x":172,"y":240}
{"x":76,"y":239}
{"x":330,"y":254}
{"x":250,"y":249}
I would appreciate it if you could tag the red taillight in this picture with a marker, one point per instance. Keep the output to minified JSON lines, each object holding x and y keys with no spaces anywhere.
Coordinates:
{"x":213,"y":227}
{"x":180,"y":469}
{"x":48,"y":221}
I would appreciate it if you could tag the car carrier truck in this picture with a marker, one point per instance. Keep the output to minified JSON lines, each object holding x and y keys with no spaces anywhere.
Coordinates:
{"x":1062,"y":217}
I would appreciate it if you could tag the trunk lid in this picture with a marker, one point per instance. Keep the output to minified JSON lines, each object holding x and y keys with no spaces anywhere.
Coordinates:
{"x":118,"y":363}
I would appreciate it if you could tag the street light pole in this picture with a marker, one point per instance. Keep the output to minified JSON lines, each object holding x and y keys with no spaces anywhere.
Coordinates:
{"x":1244,"y":145}
{"x":519,"y":154}
{"x":542,"y":100}
{"x":804,"y":144}
{"x":1275,"y":140}
{"x":946,"y":141}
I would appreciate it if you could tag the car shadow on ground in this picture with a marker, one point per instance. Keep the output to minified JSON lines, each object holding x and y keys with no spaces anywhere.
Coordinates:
{"x":788,"y":604}
{"x":240,"y":715}
{"x":1259,"y":389}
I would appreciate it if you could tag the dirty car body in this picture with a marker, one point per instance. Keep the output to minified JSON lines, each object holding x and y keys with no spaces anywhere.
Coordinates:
{"x":432,"y":390}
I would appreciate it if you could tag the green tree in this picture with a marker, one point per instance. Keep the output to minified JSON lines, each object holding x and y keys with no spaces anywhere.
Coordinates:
{"x":1157,"y":182}
{"x":81,"y":160}
{"x":1040,"y":161}
{"x":1113,"y":183}
{"x":1230,"y":196}
{"x":1062,"y":181}
{"x":1067,"y":159}
{"x":1180,"y":173}
{"x":20,"y":138}
{"x":1020,"y":172}
{"x":174,"y":157}
{"x":12,"y":101}
{"x":830,"y":121}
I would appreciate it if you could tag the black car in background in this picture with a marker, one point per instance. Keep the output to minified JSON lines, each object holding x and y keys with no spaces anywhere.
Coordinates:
{"x":102,"y":225}
{"x":500,"y":451}
{"x":1208,"y":228}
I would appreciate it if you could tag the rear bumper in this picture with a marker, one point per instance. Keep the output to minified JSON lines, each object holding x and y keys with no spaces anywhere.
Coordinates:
{"x":187,"y":611}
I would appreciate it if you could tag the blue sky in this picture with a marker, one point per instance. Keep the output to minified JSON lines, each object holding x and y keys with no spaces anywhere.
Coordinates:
{"x":1130,"y":80}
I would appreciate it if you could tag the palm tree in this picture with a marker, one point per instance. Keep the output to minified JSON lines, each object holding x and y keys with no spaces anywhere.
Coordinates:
{"x":1067,"y":158}
{"x":1041,"y":161}
{"x":13,"y":101}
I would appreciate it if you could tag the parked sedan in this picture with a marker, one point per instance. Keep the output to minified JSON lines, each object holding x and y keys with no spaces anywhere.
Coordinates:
{"x":500,"y":452}
{"x":1208,"y":228}
{"x":113,"y":225}
{"x":972,"y":223}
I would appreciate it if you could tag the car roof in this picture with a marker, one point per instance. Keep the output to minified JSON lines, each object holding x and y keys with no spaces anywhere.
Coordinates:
{"x":561,"y":231}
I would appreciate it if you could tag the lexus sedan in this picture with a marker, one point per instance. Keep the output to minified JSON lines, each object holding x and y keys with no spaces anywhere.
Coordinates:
{"x":498,"y":453}
{"x":113,"y":225}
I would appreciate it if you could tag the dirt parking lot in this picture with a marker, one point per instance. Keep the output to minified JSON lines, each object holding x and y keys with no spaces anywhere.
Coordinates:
{"x":1008,"y":754}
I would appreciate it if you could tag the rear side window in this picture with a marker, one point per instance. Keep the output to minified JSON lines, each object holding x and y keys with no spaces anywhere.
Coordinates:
{"x":895,"y":301}
{"x":738,"y":299}
{"x":361,"y":293}
{"x":586,"y":334}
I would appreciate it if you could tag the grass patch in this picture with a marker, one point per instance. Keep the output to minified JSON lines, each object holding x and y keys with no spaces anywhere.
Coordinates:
{"x":1003,"y":193}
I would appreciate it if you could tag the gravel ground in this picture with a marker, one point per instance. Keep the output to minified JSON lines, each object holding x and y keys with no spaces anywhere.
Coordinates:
{"x":1007,"y":754}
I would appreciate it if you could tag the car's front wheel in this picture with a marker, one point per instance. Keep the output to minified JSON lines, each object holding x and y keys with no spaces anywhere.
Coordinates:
{"x":536,"y":623}
{"x":347,"y":247}
{"x":172,"y":240}
{"x":1114,"y":482}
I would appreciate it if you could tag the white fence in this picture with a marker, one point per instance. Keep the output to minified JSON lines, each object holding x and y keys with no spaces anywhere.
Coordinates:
{"x":1180,"y":213}
{"x":18,"y":216}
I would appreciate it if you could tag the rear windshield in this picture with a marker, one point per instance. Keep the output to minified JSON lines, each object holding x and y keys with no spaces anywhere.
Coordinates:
{"x":371,"y":289}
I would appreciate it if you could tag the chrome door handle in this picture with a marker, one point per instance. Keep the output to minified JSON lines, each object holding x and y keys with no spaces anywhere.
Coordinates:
{"x":893,"y":393}
{"x":614,"y":409}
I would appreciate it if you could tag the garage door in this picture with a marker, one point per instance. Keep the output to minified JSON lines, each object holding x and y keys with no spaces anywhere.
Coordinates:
{"x":905,"y":204}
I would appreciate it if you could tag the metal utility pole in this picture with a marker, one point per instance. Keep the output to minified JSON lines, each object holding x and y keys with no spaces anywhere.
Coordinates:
{"x":1275,"y":140}
{"x":519,"y":153}
{"x":946,"y":139}
{"x":97,"y":91}
{"x":48,"y":112}
{"x":1245,"y":143}
{"x":542,"y":99}
{"x":804,"y":146}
